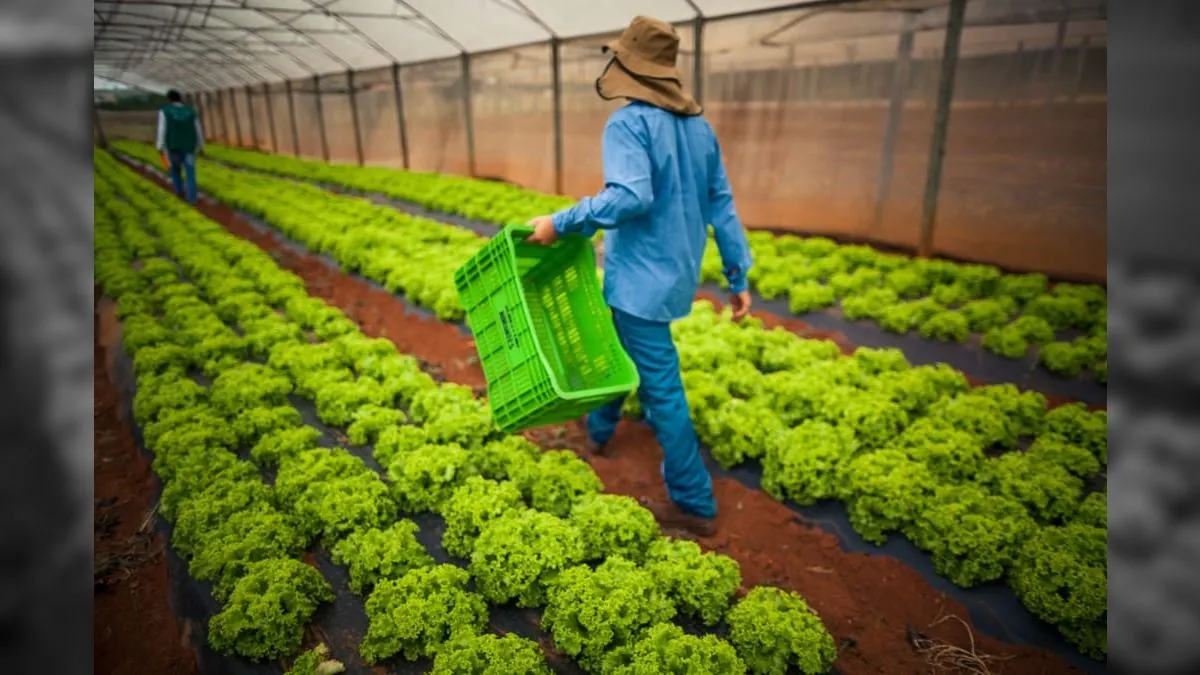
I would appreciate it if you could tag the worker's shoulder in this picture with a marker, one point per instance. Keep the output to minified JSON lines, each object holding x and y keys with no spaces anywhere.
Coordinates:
{"x":637,"y":114}
{"x":629,"y":113}
{"x":178,"y":111}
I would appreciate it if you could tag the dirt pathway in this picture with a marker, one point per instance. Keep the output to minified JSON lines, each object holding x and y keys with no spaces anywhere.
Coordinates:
{"x":134,"y":629}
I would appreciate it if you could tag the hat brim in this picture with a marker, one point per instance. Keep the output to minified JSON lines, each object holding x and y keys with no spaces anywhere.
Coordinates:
{"x":666,"y":93}
{"x":638,"y":65}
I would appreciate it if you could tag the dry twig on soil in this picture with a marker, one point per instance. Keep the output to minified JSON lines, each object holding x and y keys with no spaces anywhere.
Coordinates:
{"x":945,"y":657}
{"x":112,"y":568}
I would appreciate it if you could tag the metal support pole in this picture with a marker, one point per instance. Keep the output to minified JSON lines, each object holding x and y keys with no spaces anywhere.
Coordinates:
{"x":270,"y":117}
{"x":237,"y":122}
{"x":466,"y":85}
{"x":1030,"y":92}
{"x":814,"y":86}
{"x":400,"y":113}
{"x":698,"y":61}
{"x":937,"y":150}
{"x":358,"y":143}
{"x":556,"y":92}
{"x":225,"y":136}
{"x":1079,"y":68}
{"x":292,"y":118}
{"x":321,"y":118}
{"x":1004,"y":91}
{"x":1060,"y":39}
{"x":99,"y":127}
{"x":200,"y":104}
{"x":206,"y":115}
{"x":212,"y":115}
{"x":891,"y":131}
{"x":197,"y":103}
{"x":202,"y":112}
{"x":250,"y":114}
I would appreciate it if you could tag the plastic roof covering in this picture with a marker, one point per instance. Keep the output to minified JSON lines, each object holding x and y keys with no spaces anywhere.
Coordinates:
{"x":206,"y":45}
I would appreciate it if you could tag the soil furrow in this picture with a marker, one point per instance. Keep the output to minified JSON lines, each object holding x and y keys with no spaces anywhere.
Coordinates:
{"x":135,"y":630}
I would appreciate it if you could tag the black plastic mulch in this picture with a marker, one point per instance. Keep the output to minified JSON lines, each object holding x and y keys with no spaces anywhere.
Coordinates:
{"x":968,"y":357}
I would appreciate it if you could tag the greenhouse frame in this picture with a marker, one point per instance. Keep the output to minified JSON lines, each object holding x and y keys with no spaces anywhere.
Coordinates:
{"x":971,"y":129}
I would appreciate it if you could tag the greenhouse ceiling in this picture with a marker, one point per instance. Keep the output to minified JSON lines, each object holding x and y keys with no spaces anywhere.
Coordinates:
{"x":206,"y":45}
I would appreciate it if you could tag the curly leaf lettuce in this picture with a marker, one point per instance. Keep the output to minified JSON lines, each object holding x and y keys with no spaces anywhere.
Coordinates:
{"x":700,"y":584}
{"x":592,"y":612}
{"x":519,"y":553}
{"x":665,"y":648}
{"x":419,"y":612}
{"x":491,"y":655}
{"x":374,"y":554}
{"x":267,"y":610}
{"x":775,"y":630}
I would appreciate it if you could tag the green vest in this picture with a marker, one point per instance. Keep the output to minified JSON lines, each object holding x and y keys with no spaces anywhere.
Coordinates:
{"x":181,"y":128}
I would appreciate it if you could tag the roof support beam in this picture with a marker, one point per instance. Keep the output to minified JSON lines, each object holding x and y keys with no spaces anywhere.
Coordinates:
{"x":321,"y":119}
{"x":556,"y":92}
{"x":270,"y":117}
{"x":292,"y":118}
{"x":353,"y":92}
{"x":400,"y":113}
{"x":941,"y":124}
{"x":470,"y":119}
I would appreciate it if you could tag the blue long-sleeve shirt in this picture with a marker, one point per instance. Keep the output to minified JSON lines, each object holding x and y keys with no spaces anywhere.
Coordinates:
{"x":665,"y":183}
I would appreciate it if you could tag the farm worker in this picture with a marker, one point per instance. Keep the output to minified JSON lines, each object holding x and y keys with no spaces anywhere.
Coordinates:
{"x":179,"y":139}
{"x":665,"y":183}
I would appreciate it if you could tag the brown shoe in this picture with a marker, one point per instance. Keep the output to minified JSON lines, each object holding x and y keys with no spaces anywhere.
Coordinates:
{"x":671,"y":517}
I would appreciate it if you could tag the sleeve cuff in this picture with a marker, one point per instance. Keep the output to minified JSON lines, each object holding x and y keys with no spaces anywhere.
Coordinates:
{"x":562,"y":221}
{"x":737,"y":281}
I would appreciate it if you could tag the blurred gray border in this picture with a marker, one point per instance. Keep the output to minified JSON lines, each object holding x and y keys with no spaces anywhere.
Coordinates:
{"x":1154,"y":229}
{"x":46,"y":458}
{"x":1154,"y":328}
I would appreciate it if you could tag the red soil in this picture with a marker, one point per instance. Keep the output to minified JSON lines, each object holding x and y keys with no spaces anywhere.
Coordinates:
{"x":134,"y":629}
{"x":867,"y":602}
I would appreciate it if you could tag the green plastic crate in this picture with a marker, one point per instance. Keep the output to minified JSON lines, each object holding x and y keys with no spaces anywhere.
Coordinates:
{"x":545,"y":336}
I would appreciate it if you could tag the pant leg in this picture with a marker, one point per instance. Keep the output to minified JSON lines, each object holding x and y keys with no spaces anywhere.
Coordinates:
{"x":189,"y":164}
{"x":175,"y":159}
{"x":602,"y":422}
{"x":662,"y":397}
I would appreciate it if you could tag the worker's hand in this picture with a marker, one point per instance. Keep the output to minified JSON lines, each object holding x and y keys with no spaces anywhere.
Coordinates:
{"x":543,"y":231}
{"x":740,"y":302}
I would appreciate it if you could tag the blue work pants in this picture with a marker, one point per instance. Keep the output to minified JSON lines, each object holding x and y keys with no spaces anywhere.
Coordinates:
{"x":183,"y":162}
{"x":665,"y":407}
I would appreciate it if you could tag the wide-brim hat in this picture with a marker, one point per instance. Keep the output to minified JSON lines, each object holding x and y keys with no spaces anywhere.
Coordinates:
{"x":643,"y":67}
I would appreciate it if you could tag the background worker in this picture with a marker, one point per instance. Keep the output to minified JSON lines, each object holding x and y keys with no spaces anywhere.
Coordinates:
{"x":665,"y":183}
{"x":180,"y":138}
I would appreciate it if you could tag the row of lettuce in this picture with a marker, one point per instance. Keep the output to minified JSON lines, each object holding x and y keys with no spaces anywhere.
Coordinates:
{"x":223,"y":342}
{"x":988,"y":480}
{"x":380,"y":243}
{"x":817,"y":419}
{"x":483,"y":200}
{"x":940,"y":299}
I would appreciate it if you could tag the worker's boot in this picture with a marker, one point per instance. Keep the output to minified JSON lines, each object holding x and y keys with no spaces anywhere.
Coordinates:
{"x":588,"y":445}
{"x":671,"y":517}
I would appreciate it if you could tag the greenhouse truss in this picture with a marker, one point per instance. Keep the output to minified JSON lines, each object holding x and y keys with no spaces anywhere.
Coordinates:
{"x":869,"y":120}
